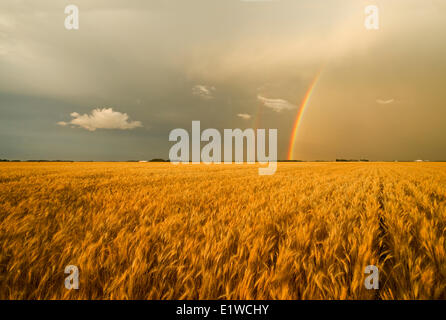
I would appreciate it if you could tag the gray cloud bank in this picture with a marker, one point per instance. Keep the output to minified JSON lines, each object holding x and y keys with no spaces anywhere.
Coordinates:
{"x":166,"y":63}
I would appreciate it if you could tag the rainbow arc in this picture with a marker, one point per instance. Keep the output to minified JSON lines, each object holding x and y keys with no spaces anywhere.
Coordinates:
{"x":300,"y":113}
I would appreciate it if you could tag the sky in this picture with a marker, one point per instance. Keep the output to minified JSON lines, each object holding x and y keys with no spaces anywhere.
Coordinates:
{"x":135,"y":70}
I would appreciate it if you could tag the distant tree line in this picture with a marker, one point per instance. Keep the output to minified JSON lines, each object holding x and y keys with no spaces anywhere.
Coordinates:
{"x":352,"y":160}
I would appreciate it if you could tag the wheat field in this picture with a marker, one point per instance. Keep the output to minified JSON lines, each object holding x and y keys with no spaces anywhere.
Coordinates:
{"x":160,"y":231}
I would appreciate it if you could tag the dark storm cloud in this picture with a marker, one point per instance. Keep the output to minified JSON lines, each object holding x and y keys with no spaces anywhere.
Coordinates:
{"x":166,"y":63}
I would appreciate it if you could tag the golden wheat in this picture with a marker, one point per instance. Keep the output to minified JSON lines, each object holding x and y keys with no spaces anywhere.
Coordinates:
{"x":160,"y":231}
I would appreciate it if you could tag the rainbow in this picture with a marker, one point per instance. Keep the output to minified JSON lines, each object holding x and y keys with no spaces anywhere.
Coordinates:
{"x":300,"y":113}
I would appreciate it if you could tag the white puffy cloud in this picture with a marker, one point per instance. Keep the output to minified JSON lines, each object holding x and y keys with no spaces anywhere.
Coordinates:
{"x":244,"y":116}
{"x":104,"y":118}
{"x":277,"y":105}
{"x":203,"y":91}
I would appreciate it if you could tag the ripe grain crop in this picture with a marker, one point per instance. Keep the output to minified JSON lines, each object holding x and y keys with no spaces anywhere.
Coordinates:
{"x":160,"y":231}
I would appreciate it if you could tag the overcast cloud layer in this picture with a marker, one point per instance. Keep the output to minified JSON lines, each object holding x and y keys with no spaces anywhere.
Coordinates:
{"x":135,"y":70}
